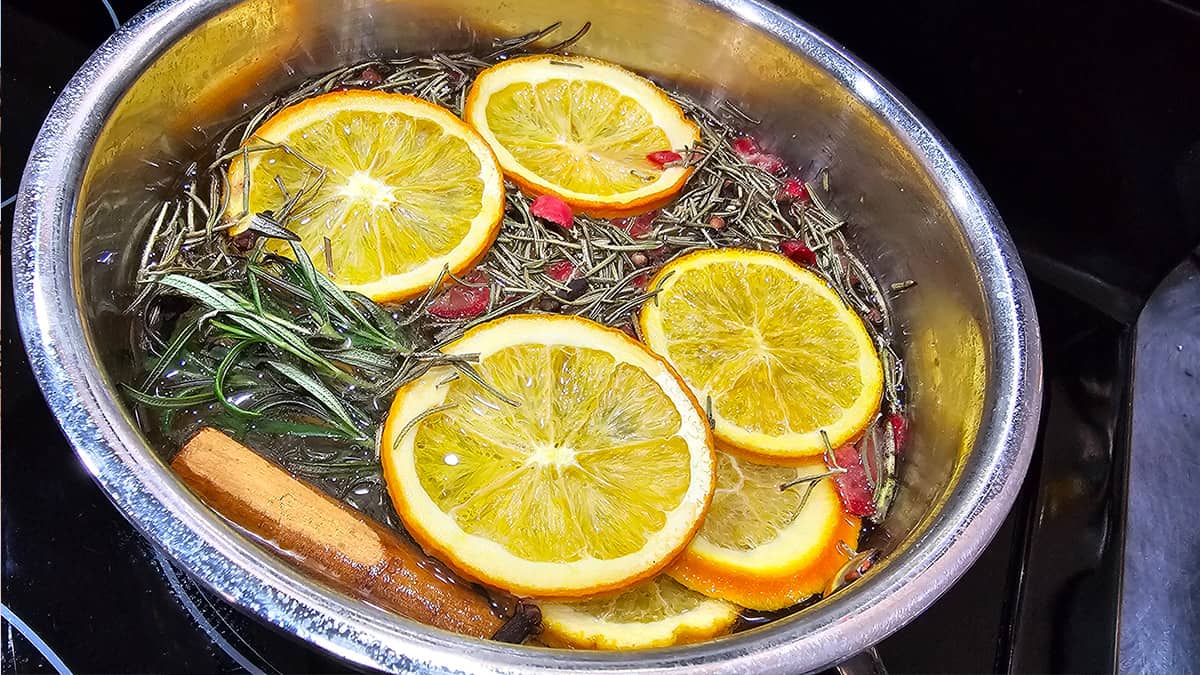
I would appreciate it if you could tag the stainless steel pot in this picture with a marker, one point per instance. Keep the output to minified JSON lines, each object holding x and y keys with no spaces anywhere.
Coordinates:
{"x":139,"y":108}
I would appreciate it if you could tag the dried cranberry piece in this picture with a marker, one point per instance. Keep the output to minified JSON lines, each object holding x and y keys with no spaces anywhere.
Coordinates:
{"x":663,"y":157}
{"x":746,"y":147}
{"x":899,"y":427}
{"x":794,"y":190}
{"x":370,"y":76}
{"x":798,"y":252}
{"x":638,"y":226}
{"x":560,"y":270}
{"x":463,"y":302}
{"x":853,"y":486}
{"x":553,"y":209}
{"x":245,"y":241}
{"x":767,"y":162}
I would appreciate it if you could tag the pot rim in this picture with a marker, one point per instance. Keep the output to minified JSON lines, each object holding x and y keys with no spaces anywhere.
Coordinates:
{"x":145,"y":491}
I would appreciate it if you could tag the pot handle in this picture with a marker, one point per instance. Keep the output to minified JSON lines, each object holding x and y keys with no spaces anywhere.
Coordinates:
{"x":866,"y":662}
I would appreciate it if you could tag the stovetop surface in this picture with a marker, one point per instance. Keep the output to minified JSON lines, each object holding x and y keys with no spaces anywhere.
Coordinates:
{"x":1080,"y":118}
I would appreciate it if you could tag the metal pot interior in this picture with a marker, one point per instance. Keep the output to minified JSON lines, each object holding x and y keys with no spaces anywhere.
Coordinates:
{"x":817,"y":108}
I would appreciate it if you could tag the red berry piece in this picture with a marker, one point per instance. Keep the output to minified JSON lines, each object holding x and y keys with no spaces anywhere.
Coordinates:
{"x":746,"y":147}
{"x":462,"y":302}
{"x":560,"y":271}
{"x":794,"y":190}
{"x":767,"y":162}
{"x":798,"y":252}
{"x":662,"y":158}
{"x":638,"y":226}
{"x":553,"y":209}
{"x":853,"y":487}
{"x":899,"y":431}
{"x":370,"y":76}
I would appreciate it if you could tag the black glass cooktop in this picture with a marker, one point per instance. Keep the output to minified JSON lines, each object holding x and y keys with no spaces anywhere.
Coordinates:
{"x":1082,"y":120}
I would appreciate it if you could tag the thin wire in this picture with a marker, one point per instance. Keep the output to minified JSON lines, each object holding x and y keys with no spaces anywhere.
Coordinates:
{"x":4,"y":204}
{"x":111,"y":14}
{"x":35,"y":640}
{"x":216,"y":636}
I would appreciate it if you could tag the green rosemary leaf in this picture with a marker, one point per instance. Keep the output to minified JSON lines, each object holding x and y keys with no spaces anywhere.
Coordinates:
{"x":469,"y":370}
{"x":255,"y":294}
{"x":284,"y":427}
{"x":318,"y":391}
{"x":276,"y":281}
{"x":310,"y":274}
{"x":370,"y":321}
{"x":361,"y":358}
{"x":231,"y":331}
{"x":382,"y":320}
{"x":168,"y":356}
{"x":222,"y":370}
{"x":807,"y":493}
{"x":168,"y":402}
{"x":424,"y":415}
{"x":885,"y":486}
{"x":198,"y":290}
{"x":815,"y":478}
{"x":268,"y":227}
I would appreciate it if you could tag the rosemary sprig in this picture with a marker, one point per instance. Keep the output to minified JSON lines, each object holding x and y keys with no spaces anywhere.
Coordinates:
{"x":272,"y":338}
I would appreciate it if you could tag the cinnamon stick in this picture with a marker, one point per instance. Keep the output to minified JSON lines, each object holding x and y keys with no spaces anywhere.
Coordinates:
{"x":326,"y":538}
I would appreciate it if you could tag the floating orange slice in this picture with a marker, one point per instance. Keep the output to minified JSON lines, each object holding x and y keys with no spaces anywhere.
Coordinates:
{"x":655,"y":613}
{"x":408,"y":189}
{"x":583,"y":130}
{"x":582,"y":466}
{"x":777,"y":352}
{"x":765,"y":548}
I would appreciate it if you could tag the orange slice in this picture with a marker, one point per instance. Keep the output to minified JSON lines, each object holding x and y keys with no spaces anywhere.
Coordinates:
{"x":582,"y":130}
{"x":780,"y":356}
{"x":408,"y":189}
{"x":591,"y":473}
{"x":655,"y":613}
{"x":765,"y":548}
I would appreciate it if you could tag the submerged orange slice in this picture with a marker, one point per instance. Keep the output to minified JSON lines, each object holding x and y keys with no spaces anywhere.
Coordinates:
{"x":779,"y":355}
{"x":583,"y":466}
{"x":400,"y":187}
{"x":765,"y":548}
{"x":655,"y":613}
{"x":582,"y":130}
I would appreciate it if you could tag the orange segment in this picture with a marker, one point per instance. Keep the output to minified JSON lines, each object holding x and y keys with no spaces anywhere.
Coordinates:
{"x":594,"y":474}
{"x":765,"y":548}
{"x":581,"y":129}
{"x":407,"y":189}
